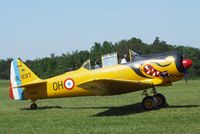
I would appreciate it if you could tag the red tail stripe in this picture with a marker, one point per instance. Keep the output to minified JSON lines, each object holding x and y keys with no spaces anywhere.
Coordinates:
{"x":11,"y":92}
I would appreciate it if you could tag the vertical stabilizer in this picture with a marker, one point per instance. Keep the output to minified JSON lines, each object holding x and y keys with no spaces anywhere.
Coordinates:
{"x":20,"y":74}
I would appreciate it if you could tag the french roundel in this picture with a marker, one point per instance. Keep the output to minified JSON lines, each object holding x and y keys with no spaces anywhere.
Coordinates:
{"x":69,"y":84}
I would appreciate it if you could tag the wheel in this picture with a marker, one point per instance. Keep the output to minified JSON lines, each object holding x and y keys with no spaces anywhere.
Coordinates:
{"x":33,"y":106}
{"x":149,"y":102}
{"x":161,"y":101}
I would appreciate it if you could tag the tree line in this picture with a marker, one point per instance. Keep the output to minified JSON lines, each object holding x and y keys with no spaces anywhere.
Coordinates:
{"x":54,"y":65}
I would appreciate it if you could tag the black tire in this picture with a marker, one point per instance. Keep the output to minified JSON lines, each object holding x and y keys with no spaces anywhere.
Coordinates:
{"x":149,"y":103}
{"x":33,"y":106}
{"x":161,"y":100}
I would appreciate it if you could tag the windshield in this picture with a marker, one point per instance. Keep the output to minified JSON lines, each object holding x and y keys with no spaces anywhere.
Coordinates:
{"x":87,"y":65}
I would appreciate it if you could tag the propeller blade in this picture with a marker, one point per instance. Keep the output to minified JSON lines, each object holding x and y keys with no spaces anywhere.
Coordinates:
{"x":185,"y":76}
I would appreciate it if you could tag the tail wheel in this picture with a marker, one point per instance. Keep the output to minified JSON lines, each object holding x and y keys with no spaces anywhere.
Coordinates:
{"x":33,"y":106}
{"x":149,"y":102}
{"x":161,"y":101}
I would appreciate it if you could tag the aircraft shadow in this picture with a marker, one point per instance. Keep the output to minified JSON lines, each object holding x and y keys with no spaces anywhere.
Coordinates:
{"x":123,"y":110}
{"x":115,"y":111}
{"x":135,"y":109}
{"x":44,"y":108}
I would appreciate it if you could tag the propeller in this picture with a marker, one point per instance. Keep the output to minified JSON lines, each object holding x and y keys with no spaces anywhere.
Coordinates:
{"x":187,"y":63}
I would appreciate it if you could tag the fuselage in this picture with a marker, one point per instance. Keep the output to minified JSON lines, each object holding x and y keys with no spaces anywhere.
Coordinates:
{"x":166,"y":68}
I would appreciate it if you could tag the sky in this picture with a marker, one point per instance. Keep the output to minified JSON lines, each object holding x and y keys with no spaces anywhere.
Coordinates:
{"x":37,"y":28}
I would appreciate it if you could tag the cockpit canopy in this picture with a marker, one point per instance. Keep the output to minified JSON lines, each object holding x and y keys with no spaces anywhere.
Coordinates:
{"x":110,"y":60}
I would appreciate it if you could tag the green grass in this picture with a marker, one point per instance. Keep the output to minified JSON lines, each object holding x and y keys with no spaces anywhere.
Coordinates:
{"x":112,"y":114}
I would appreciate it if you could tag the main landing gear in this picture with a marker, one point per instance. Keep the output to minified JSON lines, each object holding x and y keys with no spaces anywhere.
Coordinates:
{"x":33,"y":105}
{"x":151,"y":102}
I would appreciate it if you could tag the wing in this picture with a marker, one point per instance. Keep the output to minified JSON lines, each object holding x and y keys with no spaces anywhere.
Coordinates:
{"x":117,"y":86}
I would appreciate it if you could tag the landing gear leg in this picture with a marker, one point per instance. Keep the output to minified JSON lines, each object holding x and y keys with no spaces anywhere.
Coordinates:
{"x":154,"y":90}
{"x":145,"y":92}
{"x":33,"y":105}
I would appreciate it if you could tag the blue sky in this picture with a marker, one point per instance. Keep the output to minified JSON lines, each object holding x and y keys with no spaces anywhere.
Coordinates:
{"x":35,"y":29}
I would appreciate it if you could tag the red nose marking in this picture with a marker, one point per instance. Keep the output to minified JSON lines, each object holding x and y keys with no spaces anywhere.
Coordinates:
{"x":187,"y":63}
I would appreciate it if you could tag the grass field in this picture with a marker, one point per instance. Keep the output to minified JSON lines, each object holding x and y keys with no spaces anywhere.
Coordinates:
{"x":112,"y":114}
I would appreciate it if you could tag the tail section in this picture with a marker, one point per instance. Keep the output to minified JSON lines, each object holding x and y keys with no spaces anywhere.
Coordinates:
{"x":20,"y":74}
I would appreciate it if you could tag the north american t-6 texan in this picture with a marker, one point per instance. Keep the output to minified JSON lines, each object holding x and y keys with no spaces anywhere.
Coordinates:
{"x":140,"y":74}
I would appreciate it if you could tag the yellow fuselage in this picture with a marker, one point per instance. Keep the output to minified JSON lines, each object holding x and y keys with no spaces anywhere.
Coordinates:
{"x":56,"y":86}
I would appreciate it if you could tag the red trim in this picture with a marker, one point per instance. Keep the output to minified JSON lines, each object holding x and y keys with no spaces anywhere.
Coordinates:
{"x":11,"y":91}
{"x":187,"y":63}
{"x":72,"y":82}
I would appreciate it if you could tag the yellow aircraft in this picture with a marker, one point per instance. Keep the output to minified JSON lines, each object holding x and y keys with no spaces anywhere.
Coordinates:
{"x":140,"y":74}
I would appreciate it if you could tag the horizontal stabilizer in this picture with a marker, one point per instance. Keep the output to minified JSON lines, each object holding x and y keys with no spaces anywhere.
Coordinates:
{"x":33,"y":83}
